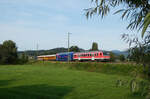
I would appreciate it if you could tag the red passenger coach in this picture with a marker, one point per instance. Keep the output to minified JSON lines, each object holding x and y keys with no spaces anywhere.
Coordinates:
{"x":94,"y":56}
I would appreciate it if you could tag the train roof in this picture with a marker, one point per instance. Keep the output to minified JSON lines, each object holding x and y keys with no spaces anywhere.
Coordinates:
{"x":89,"y":51}
{"x":47,"y":55}
{"x":65,"y":52}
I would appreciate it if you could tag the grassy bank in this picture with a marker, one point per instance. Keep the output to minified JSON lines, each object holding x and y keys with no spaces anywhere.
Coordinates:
{"x":49,"y":81}
{"x":124,"y":69}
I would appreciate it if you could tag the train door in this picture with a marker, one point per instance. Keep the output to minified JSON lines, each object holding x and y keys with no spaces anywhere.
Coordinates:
{"x":93,"y":57}
{"x":69,"y":56}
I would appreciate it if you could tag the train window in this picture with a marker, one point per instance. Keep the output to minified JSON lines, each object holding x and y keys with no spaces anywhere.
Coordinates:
{"x":97,"y":54}
{"x":100,"y":54}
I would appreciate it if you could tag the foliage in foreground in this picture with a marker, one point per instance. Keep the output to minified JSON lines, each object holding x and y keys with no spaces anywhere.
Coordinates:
{"x":136,"y":11}
{"x":136,"y":86}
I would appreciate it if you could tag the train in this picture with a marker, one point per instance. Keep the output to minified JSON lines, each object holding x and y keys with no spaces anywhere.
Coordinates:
{"x":47,"y":57}
{"x":77,"y":56}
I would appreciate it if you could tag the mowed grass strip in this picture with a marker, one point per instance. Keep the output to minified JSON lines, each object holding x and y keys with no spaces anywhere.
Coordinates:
{"x":52,"y":82}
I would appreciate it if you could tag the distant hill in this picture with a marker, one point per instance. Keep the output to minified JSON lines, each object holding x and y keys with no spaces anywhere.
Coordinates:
{"x":46,"y":52}
{"x":118,"y":52}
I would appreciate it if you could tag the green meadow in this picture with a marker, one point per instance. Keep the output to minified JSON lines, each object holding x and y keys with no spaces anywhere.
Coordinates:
{"x":61,"y":81}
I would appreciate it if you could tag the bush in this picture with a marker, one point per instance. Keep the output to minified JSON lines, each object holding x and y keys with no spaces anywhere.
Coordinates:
{"x":112,"y":57}
{"x":22,"y":59}
{"x":122,"y":58}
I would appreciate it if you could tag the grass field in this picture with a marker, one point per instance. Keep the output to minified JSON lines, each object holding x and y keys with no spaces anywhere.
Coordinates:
{"x":52,"y":82}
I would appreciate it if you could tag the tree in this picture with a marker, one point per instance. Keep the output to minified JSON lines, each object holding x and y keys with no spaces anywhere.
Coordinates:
{"x":138,"y":15}
{"x":139,"y":50}
{"x":146,"y":24}
{"x":1,"y":53}
{"x":112,"y":57}
{"x":94,"y":46}
{"x":74,"y":49}
{"x":136,"y":11}
{"x":122,"y":57}
{"x":8,"y":52}
{"x":24,"y":58}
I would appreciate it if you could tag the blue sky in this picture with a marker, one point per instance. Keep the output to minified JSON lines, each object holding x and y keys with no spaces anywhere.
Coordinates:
{"x":46,"y":23}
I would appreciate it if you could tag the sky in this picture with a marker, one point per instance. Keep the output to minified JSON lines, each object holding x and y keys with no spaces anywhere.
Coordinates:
{"x":47,"y":22}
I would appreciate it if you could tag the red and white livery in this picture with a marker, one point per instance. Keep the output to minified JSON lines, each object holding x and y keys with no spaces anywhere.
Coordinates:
{"x":93,"y":55}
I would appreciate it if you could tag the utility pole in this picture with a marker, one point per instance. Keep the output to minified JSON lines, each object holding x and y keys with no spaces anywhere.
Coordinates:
{"x":68,"y":45}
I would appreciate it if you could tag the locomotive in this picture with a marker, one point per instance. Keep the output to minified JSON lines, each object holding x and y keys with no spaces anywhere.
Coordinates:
{"x":91,"y":56}
{"x":77,"y":56}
